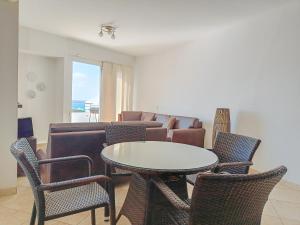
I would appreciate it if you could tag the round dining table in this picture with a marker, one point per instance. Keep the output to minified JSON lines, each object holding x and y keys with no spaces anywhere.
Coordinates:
{"x":168,"y":160}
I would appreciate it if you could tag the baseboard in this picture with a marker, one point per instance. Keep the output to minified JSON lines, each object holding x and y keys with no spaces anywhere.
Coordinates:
{"x":8,"y":191}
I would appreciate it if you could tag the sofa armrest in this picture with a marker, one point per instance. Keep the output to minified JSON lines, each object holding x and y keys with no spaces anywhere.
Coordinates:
{"x":156,"y":134}
{"x":119,"y":117}
{"x":189,"y":136}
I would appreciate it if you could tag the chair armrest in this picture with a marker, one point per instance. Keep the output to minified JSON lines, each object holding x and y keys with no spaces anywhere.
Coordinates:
{"x":170,"y":195}
{"x":41,"y":155}
{"x":222,"y":166}
{"x":72,"y":183}
{"x":69,"y":158}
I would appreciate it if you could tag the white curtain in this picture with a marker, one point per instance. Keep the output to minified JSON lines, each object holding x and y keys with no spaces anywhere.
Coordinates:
{"x":127,"y":88}
{"x":116,"y":90}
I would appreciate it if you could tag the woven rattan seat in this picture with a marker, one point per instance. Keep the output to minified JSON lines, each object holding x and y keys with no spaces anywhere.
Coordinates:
{"x":89,"y":196}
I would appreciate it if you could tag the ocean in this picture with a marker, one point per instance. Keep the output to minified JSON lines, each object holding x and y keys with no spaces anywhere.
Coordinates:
{"x":78,"y":106}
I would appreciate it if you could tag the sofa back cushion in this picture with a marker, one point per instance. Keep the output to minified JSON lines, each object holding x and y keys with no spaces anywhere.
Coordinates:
{"x":76,"y":127}
{"x":148,"y":124}
{"x":88,"y":143}
{"x":166,"y":120}
{"x":131,"y":115}
{"x":147,"y":116}
{"x":183,"y":122}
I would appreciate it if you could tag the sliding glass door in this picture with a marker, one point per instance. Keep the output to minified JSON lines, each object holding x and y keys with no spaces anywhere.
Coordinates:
{"x":86,"y":86}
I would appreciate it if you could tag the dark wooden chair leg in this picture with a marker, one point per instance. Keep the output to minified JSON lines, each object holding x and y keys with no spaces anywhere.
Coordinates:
{"x":33,"y":215}
{"x":110,"y":210}
{"x":107,"y":208}
{"x":41,"y":222}
{"x":93,"y":216}
{"x":118,"y":217}
{"x":106,"y":213}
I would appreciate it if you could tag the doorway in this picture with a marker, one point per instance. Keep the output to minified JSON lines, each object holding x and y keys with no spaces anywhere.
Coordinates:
{"x":86,"y":84}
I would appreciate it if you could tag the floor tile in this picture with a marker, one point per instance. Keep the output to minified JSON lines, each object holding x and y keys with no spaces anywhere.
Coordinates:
{"x":74,"y":219}
{"x":269,"y":210}
{"x":287,"y":210}
{"x":12,"y":217}
{"x":287,"y":195}
{"x":270,"y":220}
{"x":288,"y":185}
{"x":283,"y":208}
{"x":290,"y":222}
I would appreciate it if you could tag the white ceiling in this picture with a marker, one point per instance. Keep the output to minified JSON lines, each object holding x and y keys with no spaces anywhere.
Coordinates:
{"x":146,"y":26}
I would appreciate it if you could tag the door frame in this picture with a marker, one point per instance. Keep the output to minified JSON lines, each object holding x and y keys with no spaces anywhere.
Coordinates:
{"x":69,"y":83}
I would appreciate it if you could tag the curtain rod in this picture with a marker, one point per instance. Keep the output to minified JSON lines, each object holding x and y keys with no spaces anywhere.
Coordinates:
{"x":96,"y":60}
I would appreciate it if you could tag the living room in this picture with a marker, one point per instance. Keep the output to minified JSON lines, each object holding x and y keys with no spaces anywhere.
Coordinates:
{"x":173,"y":67}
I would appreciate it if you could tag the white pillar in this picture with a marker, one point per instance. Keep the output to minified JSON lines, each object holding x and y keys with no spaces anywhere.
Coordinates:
{"x":9,"y":26}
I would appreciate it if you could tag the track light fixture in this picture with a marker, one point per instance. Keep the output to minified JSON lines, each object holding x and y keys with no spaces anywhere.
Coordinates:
{"x":109,"y":29}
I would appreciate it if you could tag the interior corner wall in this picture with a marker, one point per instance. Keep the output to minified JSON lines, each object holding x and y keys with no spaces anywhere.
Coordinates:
{"x":50,"y":45}
{"x":46,"y":106}
{"x":8,"y":91}
{"x":252,"y":67}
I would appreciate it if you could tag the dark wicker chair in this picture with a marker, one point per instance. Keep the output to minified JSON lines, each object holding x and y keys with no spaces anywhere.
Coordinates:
{"x":118,"y":134}
{"x":124,"y":133}
{"x":222,"y":199}
{"x":235,"y":153}
{"x":63,"y":198}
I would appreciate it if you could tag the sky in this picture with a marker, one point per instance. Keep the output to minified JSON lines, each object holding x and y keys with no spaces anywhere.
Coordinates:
{"x":86,"y":82}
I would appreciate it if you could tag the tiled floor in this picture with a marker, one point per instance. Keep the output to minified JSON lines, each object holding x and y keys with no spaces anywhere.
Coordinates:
{"x":283,"y":207}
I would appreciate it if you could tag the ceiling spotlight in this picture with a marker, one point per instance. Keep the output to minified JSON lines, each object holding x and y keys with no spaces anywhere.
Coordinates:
{"x":109,"y":29}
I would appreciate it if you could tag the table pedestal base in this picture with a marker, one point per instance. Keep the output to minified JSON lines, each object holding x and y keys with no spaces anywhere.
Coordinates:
{"x":143,"y":201}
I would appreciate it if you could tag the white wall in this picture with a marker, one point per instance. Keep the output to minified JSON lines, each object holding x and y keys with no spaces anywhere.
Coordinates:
{"x":252,"y":67}
{"x":45,"y":44}
{"x":47,"y":106}
{"x":8,"y":91}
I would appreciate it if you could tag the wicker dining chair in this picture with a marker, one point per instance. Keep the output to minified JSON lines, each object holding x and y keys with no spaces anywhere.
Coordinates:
{"x":124,"y":133}
{"x":54,"y":200}
{"x":119,"y":133}
{"x":223,"y":199}
{"x":235,"y":153}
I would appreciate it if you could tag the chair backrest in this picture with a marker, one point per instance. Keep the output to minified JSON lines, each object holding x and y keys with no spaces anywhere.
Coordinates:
{"x":235,"y":148}
{"x":125,"y":133}
{"x":26,"y":158}
{"x":232,"y":199}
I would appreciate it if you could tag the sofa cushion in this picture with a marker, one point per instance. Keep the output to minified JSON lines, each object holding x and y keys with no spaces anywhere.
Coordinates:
{"x":76,"y":127}
{"x":131,"y":115}
{"x":171,"y":123}
{"x":166,"y":120}
{"x":148,"y":124}
{"x":183,"y":122}
{"x":147,"y":116}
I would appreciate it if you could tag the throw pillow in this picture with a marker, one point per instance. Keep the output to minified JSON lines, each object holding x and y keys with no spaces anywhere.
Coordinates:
{"x":171,"y":123}
{"x":147,"y":116}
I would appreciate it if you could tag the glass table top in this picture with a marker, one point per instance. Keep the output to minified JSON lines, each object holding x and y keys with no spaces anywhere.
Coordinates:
{"x":159,"y":157}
